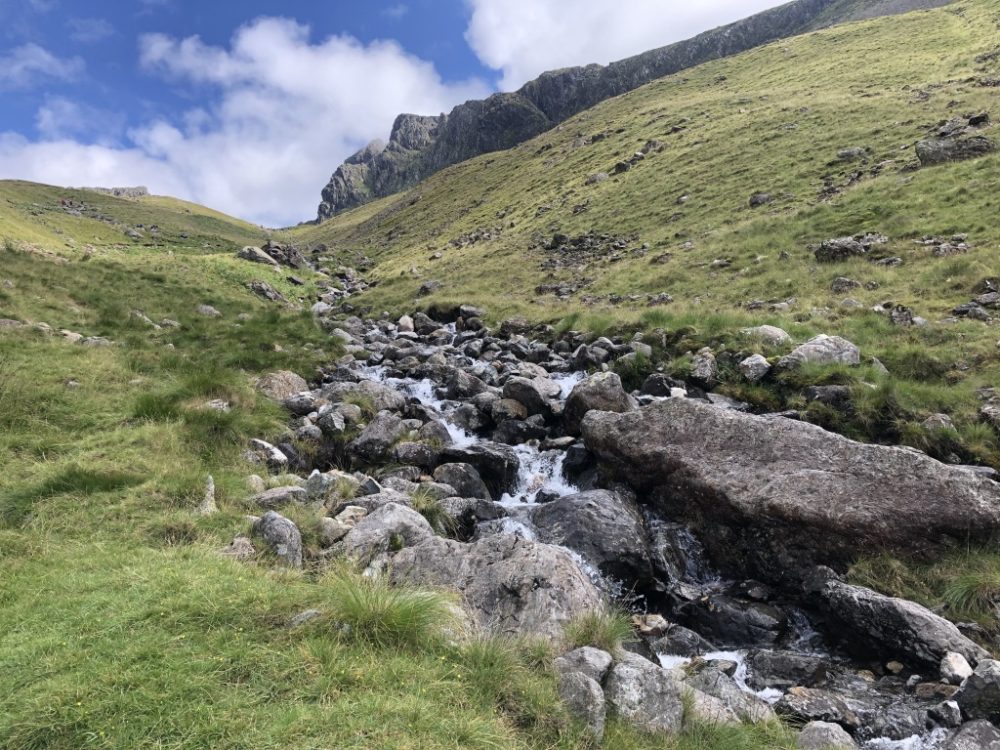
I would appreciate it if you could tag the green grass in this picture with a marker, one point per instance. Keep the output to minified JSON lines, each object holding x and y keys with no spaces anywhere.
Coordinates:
{"x":772,"y":120}
{"x":607,"y":630}
{"x":120,"y":627}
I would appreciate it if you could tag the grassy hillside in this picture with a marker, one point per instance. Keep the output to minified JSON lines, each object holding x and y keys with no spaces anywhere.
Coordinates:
{"x":773,"y":121}
{"x":120,"y":625}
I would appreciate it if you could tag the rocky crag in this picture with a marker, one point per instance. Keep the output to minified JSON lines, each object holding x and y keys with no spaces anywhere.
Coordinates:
{"x":419,"y":145}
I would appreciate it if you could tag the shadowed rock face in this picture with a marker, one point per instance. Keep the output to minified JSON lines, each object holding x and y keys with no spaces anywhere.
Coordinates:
{"x":420,"y":146}
{"x":780,"y":495}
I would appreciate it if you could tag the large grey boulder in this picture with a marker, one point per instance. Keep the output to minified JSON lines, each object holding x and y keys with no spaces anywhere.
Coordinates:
{"x":603,"y":527}
{"x":822,"y":350}
{"x":645,"y":694}
{"x":256,"y":255}
{"x":780,"y":494}
{"x":585,"y":700}
{"x":282,"y":536}
{"x":279,"y":497}
{"x":976,"y":735}
{"x":387,"y":528}
{"x":933,"y":151}
{"x":824,"y":735}
{"x":897,"y":628}
{"x":979,"y":696}
{"x":601,"y":392}
{"x":511,"y":586}
{"x":769,"y":335}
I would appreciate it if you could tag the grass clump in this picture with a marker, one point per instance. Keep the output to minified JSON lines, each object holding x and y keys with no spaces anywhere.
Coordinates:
{"x":374,"y":611}
{"x":433,"y":510}
{"x":606,"y":629}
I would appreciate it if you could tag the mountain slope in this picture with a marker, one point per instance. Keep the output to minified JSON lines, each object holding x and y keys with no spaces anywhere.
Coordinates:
{"x":419,"y":146}
{"x":780,"y":120}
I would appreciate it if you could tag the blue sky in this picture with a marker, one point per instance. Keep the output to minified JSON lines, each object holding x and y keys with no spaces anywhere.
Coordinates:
{"x":248,"y":107}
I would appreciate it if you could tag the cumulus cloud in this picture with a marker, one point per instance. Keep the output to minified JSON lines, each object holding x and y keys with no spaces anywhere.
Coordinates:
{"x":60,"y":117}
{"x":89,"y":30}
{"x":523,"y":39}
{"x":28,"y":64}
{"x":278,"y":113}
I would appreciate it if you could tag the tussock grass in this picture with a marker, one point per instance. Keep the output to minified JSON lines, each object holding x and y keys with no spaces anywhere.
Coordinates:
{"x":606,"y":629}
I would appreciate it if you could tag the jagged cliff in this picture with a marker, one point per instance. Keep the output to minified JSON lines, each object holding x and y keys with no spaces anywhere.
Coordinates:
{"x":419,"y":146}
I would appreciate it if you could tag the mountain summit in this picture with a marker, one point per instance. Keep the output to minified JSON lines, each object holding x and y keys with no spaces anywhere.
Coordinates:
{"x":419,"y":145}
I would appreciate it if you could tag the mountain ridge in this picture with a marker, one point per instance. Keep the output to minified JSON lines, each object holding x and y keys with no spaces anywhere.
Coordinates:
{"x":420,"y":146}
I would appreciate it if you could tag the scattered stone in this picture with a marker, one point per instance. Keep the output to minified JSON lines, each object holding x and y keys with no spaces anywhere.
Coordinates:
{"x":282,"y":536}
{"x":932,"y":151}
{"x":585,"y":700}
{"x":822,"y":735}
{"x":282,"y":385}
{"x":241,"y":548}
{"x":842,"y":248}
{"x":256,"y":255}
{"x":279,"y":497}
{"x":755,"y":368}
{"x":822,"y":350}
{"x":955,"y":668}
{"x":760,"y":199}
{"x":208,"y":506}
{"x":265,"y":291}
{"x":602,"y":391}
{"x":768,"y":335}
{"x":979,"y":696}
{"x":705,"y":369}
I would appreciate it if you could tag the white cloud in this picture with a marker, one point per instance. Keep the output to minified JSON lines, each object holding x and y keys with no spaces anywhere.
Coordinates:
{"x":60,"y":118}
{"x":523,"y":38}
{"x":89,"y":30}
{"x":278,"y":113}
{"x":24,"y":66}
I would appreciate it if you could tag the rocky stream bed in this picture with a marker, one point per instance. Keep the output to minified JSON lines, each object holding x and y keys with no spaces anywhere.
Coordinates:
{"x":726,"y":534}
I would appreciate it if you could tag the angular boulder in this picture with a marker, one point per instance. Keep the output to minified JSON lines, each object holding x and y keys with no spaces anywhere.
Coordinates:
{"x":933,"y":151}
{"x":979,"y":696}
{"x":601,"y":392}
{"x":585,"y":700}
{"x":384,"y":529}
{"x":822,"y":735}
{"x":779,"y":494}
{"x":604,"y":528}
{"x":976,"y":735}
{"x":822,"y":350}
{"x":896,"y":628}
{"x":510,"y":585}
{"x":282,"y":536}
{"x":645,"y":694}
{"x":282,"y":385}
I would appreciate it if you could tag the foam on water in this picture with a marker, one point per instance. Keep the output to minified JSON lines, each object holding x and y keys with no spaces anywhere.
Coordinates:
{"x":669,"y":661}
{"x":566,"y":382}
{"x":931,"y":741}
{"x":539,"y":471}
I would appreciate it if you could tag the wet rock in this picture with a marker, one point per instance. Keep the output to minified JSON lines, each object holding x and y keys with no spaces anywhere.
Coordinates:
{"x":600,"y":392}
{"x":718,"y":684}
{"x":585,"y":700}
{"x":508,"y":409}
{"x":822,"y":735}
{"x":388,"y":528}
{"x":645,"y":695}
{"x":955,"y":668}
{"x":604,"y":528}
{"x":946,"y":714}
{"x":511,"y":586}
{"x":979,"y":696}
{"x":734,"y":622}
{"x":681,"y":641}
{"x":896,"y":626}
{"x":590,"y":661}
{"x":822,"y":350}
{"x":416,"y":454}
{"x":976,"y":735}
{"x":464,"y":478}
{"x":783,"y":669}
{"x":282,"y":536}
{"x":779,"y":493}
{"x":497,"y":464}
{"x":808,"y":704}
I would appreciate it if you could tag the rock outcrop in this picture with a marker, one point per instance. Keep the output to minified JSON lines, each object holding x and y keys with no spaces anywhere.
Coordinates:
{"x":420,"y":146}
{"x":781,"y":494}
